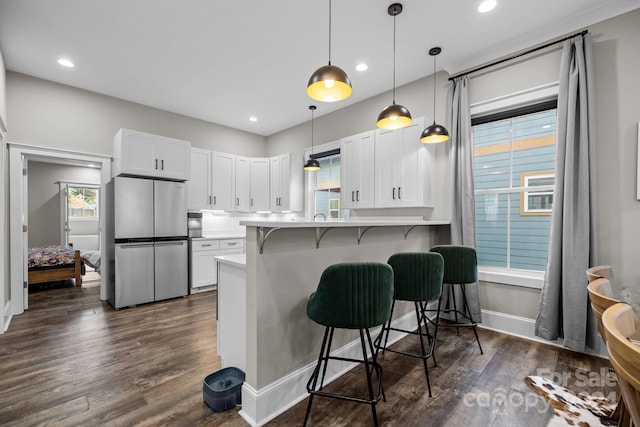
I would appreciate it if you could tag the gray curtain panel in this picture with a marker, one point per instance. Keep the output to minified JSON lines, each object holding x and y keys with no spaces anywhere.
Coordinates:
{"x":563,"y":311}
{"x":463,"y":216}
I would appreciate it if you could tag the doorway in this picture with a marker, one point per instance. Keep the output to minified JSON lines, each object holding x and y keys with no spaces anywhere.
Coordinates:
{"x":19,"y":157}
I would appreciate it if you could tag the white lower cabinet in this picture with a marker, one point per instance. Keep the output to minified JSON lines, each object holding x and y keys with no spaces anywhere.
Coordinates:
{"x":203,"y":268}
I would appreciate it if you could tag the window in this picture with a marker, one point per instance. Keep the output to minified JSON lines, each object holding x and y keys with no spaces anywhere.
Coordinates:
{"x":536,"y":202}
{"x":83,"y":202}
{"x":327,"y":189}
{"x":514,"y":152}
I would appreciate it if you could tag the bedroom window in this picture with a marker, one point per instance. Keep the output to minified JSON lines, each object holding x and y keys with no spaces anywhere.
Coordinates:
{"x":514,"y":160}
{"x":83,"y":202}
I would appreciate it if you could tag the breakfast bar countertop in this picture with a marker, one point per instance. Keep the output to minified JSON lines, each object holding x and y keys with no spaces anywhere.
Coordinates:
{"x":330,"y":223}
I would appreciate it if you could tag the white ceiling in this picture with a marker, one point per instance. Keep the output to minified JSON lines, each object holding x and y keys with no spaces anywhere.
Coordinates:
{"x":225,"y":61}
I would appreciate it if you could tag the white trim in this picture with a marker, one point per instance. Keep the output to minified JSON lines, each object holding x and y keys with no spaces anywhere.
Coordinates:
{"x":638,"y":165}
{"x":511,"y":276}
{"x":4,"y":242}
{"x":6,"y":316}
{"x":523,"y":327}
{"x":263,"y":405}
{"x":515,"y":100}
{"x":17,"y":155}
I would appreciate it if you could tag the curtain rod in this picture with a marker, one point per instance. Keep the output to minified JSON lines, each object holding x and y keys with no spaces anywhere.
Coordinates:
{"x":582,"y":33}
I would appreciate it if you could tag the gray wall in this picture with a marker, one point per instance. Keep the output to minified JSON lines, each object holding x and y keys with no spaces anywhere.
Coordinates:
{"x":49,"y":114}
{"x":44,"y":198}
{"x":617,"y":111}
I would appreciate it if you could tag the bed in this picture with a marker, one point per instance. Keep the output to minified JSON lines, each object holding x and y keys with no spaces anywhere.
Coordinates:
{"x":53,"y":263}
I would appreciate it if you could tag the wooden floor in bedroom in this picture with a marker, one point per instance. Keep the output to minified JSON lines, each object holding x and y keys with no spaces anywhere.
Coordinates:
{"x":72,"y":360}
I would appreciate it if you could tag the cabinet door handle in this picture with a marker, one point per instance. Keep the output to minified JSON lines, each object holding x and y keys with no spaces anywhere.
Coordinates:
{"x":215,"y":202}
{"x":156,"y":164}
{"x":237,"y":201}
{"x":357,"y":195}
{"x":399,"y":193}
{"x":232,"y":243}
{"x":206,"y":246}
{"x":210,"y":200}
{"x":251,"y":202}
{"x":352,"y":196}
{"x":394,"y":193}
{"x":162,"y":164}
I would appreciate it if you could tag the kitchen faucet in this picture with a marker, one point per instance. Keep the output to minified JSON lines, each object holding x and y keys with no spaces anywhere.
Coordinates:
{"x":320,"y":213}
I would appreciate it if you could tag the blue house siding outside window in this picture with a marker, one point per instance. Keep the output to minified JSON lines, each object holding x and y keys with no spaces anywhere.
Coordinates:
{"x":513,"y":219}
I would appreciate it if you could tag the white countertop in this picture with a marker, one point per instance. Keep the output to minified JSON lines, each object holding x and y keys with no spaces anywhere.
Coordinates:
{"x":239,"y":260}
{"x":336,"y":224}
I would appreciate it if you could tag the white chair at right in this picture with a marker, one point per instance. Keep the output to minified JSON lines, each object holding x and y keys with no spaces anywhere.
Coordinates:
{"x":620,"y":323}
{"x":599,"y":272}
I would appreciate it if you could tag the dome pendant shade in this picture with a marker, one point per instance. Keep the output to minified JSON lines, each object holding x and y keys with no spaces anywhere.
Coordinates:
{"x":311,"y":165}
{"x":329,"y":84}
{"x":394,"y":116}
{"x":434,"y":134}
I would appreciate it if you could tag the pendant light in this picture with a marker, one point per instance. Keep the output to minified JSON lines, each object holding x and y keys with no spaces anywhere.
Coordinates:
{"x":394,"y":116}
{"x":312,"y":164}
{"x":435,"y":133}
{"x":329,"y":83}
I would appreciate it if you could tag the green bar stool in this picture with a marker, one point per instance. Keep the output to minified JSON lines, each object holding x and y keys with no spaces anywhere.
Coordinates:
{"x":351,"y":296}
{"x":460,"y":268}
{"x":417,"y":277}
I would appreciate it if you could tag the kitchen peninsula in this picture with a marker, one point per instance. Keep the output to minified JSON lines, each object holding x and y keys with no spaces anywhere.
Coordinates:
{"x":284,"y":262}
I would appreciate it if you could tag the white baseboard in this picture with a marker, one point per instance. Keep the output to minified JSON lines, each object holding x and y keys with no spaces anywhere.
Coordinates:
{"x":7,"y":316}
{"x":261,"y":406}
{"x":524,"y":327}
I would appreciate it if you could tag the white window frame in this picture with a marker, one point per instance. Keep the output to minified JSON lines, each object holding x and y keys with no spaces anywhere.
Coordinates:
{"x":500,"y":275}
{"x":310,"y":178}
{"x":540,"y":190}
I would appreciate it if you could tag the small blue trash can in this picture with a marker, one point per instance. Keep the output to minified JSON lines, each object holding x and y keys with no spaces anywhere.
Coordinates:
{"x":222,"y":390}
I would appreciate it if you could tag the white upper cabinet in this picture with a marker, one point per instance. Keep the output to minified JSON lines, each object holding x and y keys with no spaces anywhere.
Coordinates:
{"x":212,"y":181}
{"x":403,"y":167}
{"x":286,"y":183}
{"x":259,"y":185}
{"x":357,"y":172}
{"x":242,"y":183}
{"x":222,"y":185}
{"x":143,"y":154}
{"x":199,"y":186}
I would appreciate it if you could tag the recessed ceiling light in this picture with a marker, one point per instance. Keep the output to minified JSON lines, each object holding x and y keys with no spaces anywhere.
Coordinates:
{"x":253,"y":119}
{"x":65,"y":63}
{"x":487,"y":5}
{"x":362,"y":67}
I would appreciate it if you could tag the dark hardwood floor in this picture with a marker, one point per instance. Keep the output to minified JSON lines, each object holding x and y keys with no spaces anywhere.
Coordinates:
{"x":72,"y":360}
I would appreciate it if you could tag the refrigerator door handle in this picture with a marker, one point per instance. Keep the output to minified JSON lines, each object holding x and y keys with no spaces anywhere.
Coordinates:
{"x":135,"y":245}
{"x":176,"y":243}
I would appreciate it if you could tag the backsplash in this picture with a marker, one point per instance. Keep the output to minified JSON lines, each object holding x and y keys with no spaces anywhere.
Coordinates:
{"x":223,"y":223}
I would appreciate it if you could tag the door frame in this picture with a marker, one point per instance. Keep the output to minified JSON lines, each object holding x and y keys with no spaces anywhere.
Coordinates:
{"x":18,"y":154}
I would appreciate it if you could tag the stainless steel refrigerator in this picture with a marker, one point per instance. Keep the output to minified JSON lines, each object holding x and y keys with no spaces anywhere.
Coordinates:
{"x":147,"y":228}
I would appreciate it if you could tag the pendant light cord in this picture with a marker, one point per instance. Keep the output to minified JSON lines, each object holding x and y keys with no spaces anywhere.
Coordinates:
{"x":312,"y":132}
{"x":329,"y":36}
{"x":434,"y":88}
{"x":394,"y":58}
